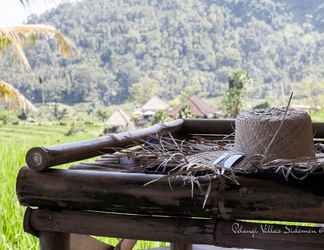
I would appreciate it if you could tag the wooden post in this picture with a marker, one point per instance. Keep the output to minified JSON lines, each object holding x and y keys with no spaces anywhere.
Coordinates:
{"x":180,"y":245}
{"x":86,"y":242}
{"x":54,"y":241}
{"x":125,"y":244}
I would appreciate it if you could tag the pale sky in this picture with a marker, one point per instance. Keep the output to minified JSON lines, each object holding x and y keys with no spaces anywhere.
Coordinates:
{"x":13,"y":13}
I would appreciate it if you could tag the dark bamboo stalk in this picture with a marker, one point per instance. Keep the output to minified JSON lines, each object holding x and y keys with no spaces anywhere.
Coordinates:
{"x":86,"y":242}
{"x":177,"y":229}
{"x":41,"y":158}
{"x":209,"y":126}
{"x":180,"y":245}
{"x":227,"y":126}
{"x":54,"y":241}
{"x":318,"y":128}
{"x":255,"y":198}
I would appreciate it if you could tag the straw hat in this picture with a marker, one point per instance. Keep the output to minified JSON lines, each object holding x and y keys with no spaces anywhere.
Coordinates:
{"x":268,"y":135}
{"x":275,"y":134}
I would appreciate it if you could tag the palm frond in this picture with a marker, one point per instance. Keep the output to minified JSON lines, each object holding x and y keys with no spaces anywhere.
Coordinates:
{"x":11,"y":97}
{"x":19,"y":35}
{"x":24,"y":2}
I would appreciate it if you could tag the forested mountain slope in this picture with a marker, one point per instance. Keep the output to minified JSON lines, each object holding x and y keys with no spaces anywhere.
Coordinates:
{"x":176,"y":43}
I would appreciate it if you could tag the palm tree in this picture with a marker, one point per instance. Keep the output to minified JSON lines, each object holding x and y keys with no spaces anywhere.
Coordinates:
{"x":15,"y":37}
{"x":13,"y":98}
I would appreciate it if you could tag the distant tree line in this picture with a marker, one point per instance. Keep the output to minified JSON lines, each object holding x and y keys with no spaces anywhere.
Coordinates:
{"x":125,"y":45}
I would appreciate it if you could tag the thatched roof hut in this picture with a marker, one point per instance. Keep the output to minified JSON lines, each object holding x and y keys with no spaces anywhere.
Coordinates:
{"x":198,"y":107}
{"x":154,"y":104}
{"x":119,"y":118}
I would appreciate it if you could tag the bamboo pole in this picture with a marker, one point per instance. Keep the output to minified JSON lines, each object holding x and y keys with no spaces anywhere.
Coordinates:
{"x":254,"y":198}
{"x":177,"y":229}
{"x":41,"y":158}
{"x":227,"y":126}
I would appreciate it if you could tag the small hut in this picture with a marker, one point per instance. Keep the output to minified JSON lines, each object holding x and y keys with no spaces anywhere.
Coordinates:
{"x":149,"y":109}
{"x":197,"y":106}
{"x":154,"y":104}
{"x":119,"y":120}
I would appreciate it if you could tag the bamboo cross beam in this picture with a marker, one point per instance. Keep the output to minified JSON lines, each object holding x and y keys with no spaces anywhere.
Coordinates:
{"x":41,"y":158}
{"x":254,"y":198}
{"x":227,"y":126}
{"x":178,"y":229}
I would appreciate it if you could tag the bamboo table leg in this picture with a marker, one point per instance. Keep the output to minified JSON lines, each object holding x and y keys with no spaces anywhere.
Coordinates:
{"x":86,"y":242}
{"x":180,"y":245}
{"x":54,"y":241}
{"x":126,"y":244}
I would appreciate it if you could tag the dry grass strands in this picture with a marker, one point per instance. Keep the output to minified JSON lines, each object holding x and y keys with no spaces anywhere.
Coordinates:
{"x":191,"y":160}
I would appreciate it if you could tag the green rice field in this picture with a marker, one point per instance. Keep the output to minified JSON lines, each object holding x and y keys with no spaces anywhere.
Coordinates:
{"x":15,"y":141}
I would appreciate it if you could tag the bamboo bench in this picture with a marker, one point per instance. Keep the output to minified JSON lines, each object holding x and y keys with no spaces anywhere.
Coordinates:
{"x":65,"y":206}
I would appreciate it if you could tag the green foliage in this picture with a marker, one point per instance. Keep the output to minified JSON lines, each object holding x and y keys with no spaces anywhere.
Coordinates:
{"x":4,"y":43}
{"x":190,"y":90}
{"x":232,"y":102}
{"x":23,"y":116}
{"x":232,"y":98}
{"x":4,"y":117}
{"x":185,"y":112}
{"x":103,"y":114}
{"x":160,"y":116}
{"x":263,"y":105}
{"x":74,"y":129}
{"x":143,"y":90}
{"x":280,"y":44}
{"x":237,"y":80}
{"x":8,"y":117}
{"x":59,"y":113}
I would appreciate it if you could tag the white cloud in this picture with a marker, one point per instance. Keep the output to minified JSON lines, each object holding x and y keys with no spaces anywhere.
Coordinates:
{"x":13,"y":13}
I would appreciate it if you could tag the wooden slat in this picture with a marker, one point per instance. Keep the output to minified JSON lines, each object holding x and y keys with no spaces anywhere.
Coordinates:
{"x":255,"y":198}
{"x":176,"y":229}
